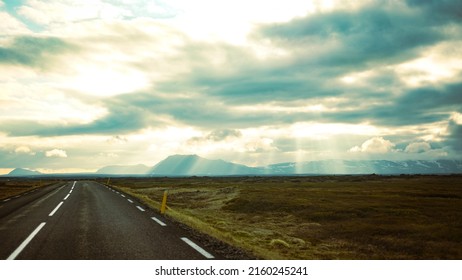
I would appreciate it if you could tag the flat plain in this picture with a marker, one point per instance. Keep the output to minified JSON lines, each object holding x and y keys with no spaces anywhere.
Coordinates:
{"x":309,"y":217}
{"x":318,"y":217}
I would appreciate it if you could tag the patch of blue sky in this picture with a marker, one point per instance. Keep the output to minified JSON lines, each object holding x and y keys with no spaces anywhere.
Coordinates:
{"x":12,"y":7}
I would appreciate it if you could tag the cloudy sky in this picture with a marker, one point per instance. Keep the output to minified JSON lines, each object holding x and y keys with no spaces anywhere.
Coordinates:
{"x":84,"y":84}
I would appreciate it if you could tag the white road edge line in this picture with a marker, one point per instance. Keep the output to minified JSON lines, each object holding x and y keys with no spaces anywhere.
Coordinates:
{"x":67,"y":196}
{"x":158,"y":221}
{"x":139,"y":208}
{"x":6,"y":199}
{"x":56,"y":209}
{"x":129,"y":200}
{"x":197,"y":248}
{"x":122,"y":195}
{"x":25,"y":242}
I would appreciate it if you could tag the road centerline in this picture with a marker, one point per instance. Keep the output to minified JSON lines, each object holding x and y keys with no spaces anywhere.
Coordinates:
{"x":26,"y":242}
{"x":67,"y":196}
{"x":56,"y":209}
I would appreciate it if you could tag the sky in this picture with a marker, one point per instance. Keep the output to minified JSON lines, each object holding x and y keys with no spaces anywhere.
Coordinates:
{"x":85,"y":84}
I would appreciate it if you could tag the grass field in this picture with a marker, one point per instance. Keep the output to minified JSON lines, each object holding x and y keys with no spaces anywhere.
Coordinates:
{"x":318,"y":217}
{"x":14,"y":186}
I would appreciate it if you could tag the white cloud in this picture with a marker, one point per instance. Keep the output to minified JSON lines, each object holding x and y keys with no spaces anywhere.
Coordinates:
{"x":11,"y":25}
{"x":56,"y":153}
{"x":232,"y":21}
{"x":49,"y":12}
{"x":436,"y":66}
{"x":42,"y":102}
{"x":376,"y":145}
{"x":457,"y":118}
{"x":420,"y":147}
{"x":118,"y":57}
{"x":24,"y":150}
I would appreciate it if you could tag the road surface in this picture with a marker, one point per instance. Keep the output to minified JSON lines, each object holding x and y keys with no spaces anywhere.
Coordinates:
{"x":87,"y":220}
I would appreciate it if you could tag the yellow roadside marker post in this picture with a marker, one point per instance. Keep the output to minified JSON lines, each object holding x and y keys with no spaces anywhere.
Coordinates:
{"x":164,"y":202}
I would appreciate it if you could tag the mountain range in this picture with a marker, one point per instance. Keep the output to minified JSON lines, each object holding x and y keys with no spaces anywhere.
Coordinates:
{"x":125,"y":169}
{"x":193,"y":165}
{"x":189,"y":165}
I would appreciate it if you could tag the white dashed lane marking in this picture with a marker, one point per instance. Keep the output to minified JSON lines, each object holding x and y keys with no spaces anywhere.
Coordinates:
{"x":197,"y":248}
{"x":25,"y":242}
{"x":158,"y":221}
{"x":56,"y":209}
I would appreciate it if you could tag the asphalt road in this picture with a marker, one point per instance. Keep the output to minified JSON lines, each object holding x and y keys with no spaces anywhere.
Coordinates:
{"x":88,"y":220}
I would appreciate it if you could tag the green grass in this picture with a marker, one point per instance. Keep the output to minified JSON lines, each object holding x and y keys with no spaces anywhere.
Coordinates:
{"x":325,"y":217}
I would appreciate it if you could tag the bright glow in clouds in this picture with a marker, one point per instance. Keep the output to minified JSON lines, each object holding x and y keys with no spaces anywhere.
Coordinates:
{"x":232,"y":20}
{"x":457,"y":118}
{"x":104,"y":82}
{"x":43,"y":102}
{"x":324,"y":131}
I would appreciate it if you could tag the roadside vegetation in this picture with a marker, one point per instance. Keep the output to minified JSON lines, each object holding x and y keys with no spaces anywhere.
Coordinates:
{"x":318,"y":217}
{"x":10,"y":187}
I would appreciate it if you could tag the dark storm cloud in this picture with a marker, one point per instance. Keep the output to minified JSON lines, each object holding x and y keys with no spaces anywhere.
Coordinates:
{"x":441,"y":10}
{"x":417,"y":106}
{"x":217,"y":136}
{"x":34,"y":51}
{"x":358,"y":38}
{"x":454,"y":139}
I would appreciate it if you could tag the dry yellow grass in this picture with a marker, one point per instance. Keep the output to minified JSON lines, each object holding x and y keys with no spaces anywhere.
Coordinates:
{"x":10,"y":187}
{"x":338,"y":217}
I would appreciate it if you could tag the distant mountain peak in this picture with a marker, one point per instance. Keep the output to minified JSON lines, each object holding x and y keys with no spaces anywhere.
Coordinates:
{"x":179,"y":156}
{"x":23,"y":172}
{"x":186,"y":165}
